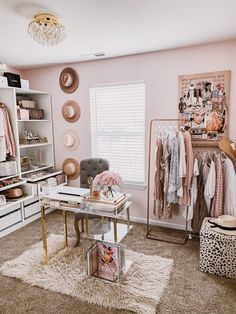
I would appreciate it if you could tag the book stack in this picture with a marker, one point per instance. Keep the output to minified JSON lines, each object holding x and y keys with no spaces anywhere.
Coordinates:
{"x":107,"y":204}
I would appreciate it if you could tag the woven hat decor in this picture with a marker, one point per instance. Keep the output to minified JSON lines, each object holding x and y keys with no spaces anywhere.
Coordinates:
{"x":70,"y":140}
{"x":69,"y":80}
{"x":71,"y":111}
{"x":71,"y":168}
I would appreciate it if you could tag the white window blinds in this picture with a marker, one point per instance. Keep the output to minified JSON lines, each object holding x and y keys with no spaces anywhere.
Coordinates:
{"x":118,"y":128}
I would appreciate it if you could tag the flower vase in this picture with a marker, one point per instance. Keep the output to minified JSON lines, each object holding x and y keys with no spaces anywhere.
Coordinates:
{"x":108,"y":192}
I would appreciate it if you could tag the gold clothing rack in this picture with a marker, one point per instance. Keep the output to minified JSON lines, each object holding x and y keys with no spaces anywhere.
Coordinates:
{"x":151,"y":233}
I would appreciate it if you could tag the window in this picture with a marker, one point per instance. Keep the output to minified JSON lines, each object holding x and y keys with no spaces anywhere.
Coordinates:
{"x":118,"y":128}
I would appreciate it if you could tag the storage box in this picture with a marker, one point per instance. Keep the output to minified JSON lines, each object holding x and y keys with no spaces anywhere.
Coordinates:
{"x":13,"y":79}
{"x":24,"y":84}
{"x":217,"y":252}
{"x":8,"y":168}
{"x":23,"y":114}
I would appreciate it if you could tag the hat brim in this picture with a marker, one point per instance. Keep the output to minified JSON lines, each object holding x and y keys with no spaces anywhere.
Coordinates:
{"x":76,"y":140}
{"x":223,"y":231}
{"x":75,"y":106}
{"x":75,"y":80}
{"x":77,"y":166}
{"x":225,"y":145}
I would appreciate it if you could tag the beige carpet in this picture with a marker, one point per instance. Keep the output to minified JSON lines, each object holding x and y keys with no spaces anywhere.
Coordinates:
{"x":139,"y":291}
{"x":189,"y":291}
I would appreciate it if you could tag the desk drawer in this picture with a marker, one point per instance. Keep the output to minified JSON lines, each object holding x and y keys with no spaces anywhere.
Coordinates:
{"x":31,"y":208}
{"x":10,"y":218}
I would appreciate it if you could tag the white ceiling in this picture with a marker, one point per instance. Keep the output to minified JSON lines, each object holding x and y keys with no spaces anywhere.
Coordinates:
{"x":115,"y":27}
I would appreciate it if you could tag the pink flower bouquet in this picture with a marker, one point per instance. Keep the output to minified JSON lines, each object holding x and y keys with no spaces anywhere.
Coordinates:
{"x":107,"y":180}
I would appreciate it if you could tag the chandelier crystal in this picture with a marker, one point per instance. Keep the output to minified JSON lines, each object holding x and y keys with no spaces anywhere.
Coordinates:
{"x":46,"y":30}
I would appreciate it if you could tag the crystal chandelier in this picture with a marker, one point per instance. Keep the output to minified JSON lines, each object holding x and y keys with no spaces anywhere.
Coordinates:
{"x":46,"y":30}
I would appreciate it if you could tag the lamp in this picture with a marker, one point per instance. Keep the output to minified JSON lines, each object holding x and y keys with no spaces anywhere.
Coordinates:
{"x":46,"y":29}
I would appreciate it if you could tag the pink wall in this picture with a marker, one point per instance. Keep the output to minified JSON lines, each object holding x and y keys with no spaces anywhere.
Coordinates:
{"x":160,"y":70}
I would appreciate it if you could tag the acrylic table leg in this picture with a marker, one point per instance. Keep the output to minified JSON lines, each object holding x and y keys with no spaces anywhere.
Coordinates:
{"x":115,"y":229}
{"x":65,"y":228}
{"x":128,"y":216}
{"x":44,"y":235}
{"x":86,"y":223}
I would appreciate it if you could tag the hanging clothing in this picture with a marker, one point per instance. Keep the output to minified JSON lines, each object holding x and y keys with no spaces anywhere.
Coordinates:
{"x":194,"y":191}
{"x":182,"y":163}
{"x":3,"y":148}
{"x":159,"y":184}
{"x":10,"y":145}
{"x":174,"y":179}
{"x":229,"y":187}
{"x":210,"y":186}
{"x":189,"y":169}
{"x":200,"y":209}
{"x":217,"y":205}
{"x":166,"y":211}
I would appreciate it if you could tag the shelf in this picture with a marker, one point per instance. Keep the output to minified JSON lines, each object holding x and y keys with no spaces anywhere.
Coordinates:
{"x":34,"y":170}
{"x":9,"y":177}
{"x":7,"y":187}
{"x":33,"y":120}
{"x":29,"y":91}
{"x":49,"y":175}
{"x":205,"y":143}
{"x":34,"y":145}
{"x":104,"y":231}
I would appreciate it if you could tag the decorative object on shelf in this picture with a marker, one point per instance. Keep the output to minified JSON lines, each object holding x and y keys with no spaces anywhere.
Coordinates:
{"x":61,"y":178}
{"x":27,"y":108}
{"x":69,"y":80}
{"x":70,"y":140}
{"x":25,"y":163}
{"x":13,"y":79}
{"x":71,"y":111}
{"x":204,"y":104}
{"x":24,"y":84}
{"x":13,"y":193}
{"x":46,"y":30}
{"x":27,"y":104}
{"x":8,"y":168}
{"x":29,"y":137}
{"x":71,"y":168}
{"x":108,"y":182}
{"x":11,"y":181}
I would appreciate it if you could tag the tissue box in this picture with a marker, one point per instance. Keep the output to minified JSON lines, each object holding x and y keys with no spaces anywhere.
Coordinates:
{"x":24,"y":84}
{"x":3,"y":81}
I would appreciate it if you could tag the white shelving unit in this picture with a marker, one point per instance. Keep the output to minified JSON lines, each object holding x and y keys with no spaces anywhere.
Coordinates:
{"x":16,"y":213}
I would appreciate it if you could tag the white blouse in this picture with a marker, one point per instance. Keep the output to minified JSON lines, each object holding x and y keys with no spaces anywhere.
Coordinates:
{"x":229,"y":188}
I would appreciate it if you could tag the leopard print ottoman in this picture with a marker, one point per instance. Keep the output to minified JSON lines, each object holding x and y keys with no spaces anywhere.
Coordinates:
{"x":217,"y":252}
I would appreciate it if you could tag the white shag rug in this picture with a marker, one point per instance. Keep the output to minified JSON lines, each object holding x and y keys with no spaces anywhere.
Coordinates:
{"x":140,"y":289}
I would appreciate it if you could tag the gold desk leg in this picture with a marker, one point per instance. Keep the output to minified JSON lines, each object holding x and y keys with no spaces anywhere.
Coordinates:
{"x":86,"y":223}
{"x":128,"y":216}
{"x":44,"y":236}
{"x":115,"y":229}
{"x":65,"y":228}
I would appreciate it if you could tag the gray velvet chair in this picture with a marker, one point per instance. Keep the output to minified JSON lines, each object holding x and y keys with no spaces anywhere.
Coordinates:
{"x":88,"y":168}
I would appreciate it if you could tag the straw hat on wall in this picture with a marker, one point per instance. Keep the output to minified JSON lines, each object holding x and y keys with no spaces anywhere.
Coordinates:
{"x":71,"y":111}
{"x":69,"y":80}
{"x":71,"y":168}
{"x":70,"y":140}
{"x":228,"y":147}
